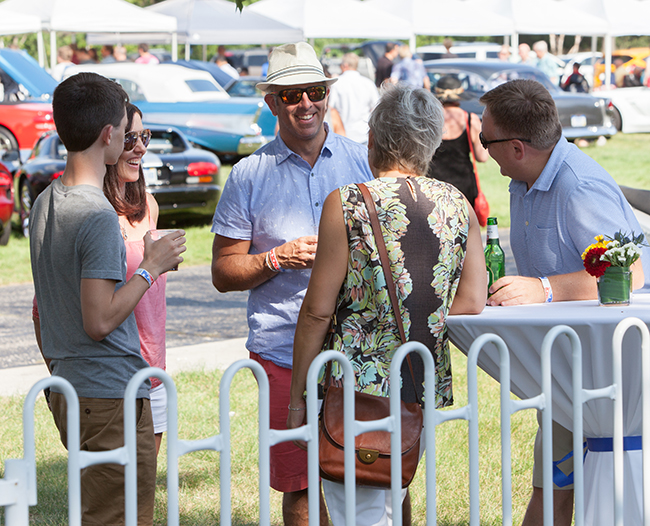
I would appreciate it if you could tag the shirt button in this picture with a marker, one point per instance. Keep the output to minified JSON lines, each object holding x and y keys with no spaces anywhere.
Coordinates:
{"x":312,"y":174}
{"x":317,"y":204}
{"x":526,"y":223}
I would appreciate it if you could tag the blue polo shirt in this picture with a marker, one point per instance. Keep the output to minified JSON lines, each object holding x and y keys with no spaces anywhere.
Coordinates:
{"x":274,"y":196}
{"x":573,"y":200}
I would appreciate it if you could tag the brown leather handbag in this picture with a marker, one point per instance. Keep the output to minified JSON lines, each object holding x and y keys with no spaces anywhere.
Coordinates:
{"x":372,"y":449}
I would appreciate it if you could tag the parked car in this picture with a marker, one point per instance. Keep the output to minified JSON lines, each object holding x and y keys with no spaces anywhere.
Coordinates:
{"x":630,"y":108}
{"x":475,"y":50}
{"x":180,"y":177}
{"x":6,"y":203}
{"x":581,"y":115}
{"x":25,"y":96}
{"x":245,"y":87}
{"x":252,"y":59}
{"x":631,"y":57}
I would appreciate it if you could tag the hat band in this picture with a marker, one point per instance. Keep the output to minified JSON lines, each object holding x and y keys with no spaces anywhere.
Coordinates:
{"x":294,"y":70}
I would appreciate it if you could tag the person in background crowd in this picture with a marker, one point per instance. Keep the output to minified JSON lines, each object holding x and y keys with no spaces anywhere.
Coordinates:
{"x":226,"y":67}
{"x":576,"y":82}
{"x":93,"y":55}
{"x":84,"y":56}
{"x":266,"y":236}
{"x":545,"y":62}
{"x":145,"y":56}
{"x":353,"y":96}
{"x":385,"y":63}
{"x":107,"y":54}
{"x":64,"y":60}
{"x":409,"y":70}
{"x":452,"y":162}
{"x":560,"y":199}
{"x":525,"y":56}
{"x":414,"y":211}
{"x":448,"y":43}
{"x":504,"y":53}
{"x":119,"y":52}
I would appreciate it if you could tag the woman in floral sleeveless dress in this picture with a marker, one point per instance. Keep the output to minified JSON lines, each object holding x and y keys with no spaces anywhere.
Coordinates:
{"x":436,"y":256}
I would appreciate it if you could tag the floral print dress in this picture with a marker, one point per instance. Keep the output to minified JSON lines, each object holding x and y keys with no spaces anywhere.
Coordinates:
{"x":425,"y":224}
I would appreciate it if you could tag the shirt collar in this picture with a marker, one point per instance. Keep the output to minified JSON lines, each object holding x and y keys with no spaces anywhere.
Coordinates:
{"x":552,"y":168}
{"x":283,"y":152}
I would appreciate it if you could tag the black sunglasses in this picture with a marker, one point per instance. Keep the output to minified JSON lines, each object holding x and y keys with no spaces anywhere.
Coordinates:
{"x":485,"y":143}
{"x":131,"y":138}
{"x":294,"y":95}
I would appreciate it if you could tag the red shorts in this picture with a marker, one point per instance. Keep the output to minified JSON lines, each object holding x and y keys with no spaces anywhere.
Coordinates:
{"x":288,"y":462}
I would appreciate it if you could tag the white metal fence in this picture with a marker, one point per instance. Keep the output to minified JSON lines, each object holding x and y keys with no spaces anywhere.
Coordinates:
{"x":18,"y":489}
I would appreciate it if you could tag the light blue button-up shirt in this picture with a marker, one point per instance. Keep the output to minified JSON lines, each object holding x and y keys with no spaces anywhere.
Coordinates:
{"x":573,"y":200}
{"x":274,"y":196}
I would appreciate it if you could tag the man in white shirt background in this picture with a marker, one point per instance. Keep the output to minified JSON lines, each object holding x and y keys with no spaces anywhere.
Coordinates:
{"x":354,"y":96}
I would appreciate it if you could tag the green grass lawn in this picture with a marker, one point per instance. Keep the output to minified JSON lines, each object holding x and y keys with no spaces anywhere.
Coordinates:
{"x":198,"y":396}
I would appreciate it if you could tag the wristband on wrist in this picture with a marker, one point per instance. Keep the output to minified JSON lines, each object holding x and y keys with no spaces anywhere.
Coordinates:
{"x":145,"y":274}
{"x":548,"y":290}
{"x":274,"y":261}
{"x":296,"y":408}
{"x":267,"y":262}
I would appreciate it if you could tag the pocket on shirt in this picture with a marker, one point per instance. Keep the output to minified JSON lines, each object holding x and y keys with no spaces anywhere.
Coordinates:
{"x":547,"y":254}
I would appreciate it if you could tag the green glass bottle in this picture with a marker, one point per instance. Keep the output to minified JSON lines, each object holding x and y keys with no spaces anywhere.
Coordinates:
{"x":495,"y":259}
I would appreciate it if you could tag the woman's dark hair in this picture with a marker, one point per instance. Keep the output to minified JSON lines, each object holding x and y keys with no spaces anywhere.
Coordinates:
{"x":133,"y":205}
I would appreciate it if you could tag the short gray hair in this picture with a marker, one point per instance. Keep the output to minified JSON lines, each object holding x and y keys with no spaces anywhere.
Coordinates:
{"x":407,"y":129}
{"x":351,"y":60}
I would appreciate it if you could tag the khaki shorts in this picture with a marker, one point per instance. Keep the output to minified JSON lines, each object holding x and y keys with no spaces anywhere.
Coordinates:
{"x":562,"y":446}
{"x":102,"y":485}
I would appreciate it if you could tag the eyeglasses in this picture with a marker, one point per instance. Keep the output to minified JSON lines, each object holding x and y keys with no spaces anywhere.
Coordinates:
{"x":131,"y":139}
{"x":485,"y":143}
{"x":294,"y":95}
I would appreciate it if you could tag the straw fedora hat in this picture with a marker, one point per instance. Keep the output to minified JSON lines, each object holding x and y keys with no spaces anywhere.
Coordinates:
{"x":293,"y":64}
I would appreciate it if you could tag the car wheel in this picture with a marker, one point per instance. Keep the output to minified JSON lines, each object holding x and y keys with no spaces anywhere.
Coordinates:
{"x":7,"y":140}
{"x":26,"y":202}
{"x":6,"y":233}
{"x":616,"y":119}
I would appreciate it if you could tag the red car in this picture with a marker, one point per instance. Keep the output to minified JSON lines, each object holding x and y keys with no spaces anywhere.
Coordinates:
{"x":6,"y":203}
{"x":23,"y":123}
{"x":25,"y":100}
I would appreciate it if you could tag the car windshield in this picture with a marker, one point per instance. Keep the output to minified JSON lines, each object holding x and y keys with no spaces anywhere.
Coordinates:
{"x":506,"y":75}
{"x":471,"y":82}
{"x":244,"y":88}
{"x":201,"y":85}
{"x":133,"y":90}
{"x":165,"y":142}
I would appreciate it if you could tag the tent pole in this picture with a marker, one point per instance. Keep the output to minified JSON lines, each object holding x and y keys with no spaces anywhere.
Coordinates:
{"x":174,"y":46}
{"x":188,"y":52}
{"x":53,"y":50}
{"x":594,"y":47}
{"x":515,"y":42}
{"x":608,"y":60}
{"x":41,"y":48}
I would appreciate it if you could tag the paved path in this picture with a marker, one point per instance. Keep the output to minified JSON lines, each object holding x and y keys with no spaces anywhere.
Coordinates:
{"x":205,"y":329}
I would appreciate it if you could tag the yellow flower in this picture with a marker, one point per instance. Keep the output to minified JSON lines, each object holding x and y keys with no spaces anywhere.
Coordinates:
{"x":600,"y":243}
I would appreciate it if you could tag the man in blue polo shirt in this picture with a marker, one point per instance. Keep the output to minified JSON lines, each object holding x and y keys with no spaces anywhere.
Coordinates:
{"x":560,"y":199}
{"x":266,"y":226}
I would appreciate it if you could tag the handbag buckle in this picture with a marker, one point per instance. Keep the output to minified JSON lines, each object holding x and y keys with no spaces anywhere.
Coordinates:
{"x":368,"y":456}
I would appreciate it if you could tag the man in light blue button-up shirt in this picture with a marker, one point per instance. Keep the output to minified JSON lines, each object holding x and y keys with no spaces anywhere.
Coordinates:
{"x":560,"y":199}
{"x":266,"y":226}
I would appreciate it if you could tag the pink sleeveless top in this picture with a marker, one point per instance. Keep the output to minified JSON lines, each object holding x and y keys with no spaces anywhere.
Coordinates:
{"x":151,"y":311}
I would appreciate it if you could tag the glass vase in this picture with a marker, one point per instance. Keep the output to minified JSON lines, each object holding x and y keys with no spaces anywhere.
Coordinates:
{"x":614,"y":286}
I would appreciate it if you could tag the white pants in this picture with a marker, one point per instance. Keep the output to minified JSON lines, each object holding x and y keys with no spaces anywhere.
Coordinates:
{"x":374,"y":507}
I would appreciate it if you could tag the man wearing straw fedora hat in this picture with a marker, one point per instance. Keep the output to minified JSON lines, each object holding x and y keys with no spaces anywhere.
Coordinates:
{"x":266,"y":226}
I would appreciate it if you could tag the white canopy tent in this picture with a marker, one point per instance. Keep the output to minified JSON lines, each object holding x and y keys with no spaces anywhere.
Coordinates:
{"x":14,"y":23}
{"x":115,"y":16}
{"x":335,"y":18}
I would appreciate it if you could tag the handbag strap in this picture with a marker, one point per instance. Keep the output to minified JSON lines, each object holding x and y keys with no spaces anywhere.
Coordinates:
{"x":388,"y":274}
{"x":471,"y":149}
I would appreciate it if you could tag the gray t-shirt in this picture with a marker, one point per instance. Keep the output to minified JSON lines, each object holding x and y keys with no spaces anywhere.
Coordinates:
{"x":75,"y":235}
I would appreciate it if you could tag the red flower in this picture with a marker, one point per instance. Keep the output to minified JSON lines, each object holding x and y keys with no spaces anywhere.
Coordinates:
{"x":593,"y":264}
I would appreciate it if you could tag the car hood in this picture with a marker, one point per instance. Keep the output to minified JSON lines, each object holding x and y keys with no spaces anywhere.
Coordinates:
{"x":26,"y":71}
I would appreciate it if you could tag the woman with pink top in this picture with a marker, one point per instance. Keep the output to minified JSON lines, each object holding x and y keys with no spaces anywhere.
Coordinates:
{"x":137,"y":211}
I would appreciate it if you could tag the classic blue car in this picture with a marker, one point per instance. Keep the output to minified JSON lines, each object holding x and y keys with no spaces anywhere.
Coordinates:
{"x":172,"y":95}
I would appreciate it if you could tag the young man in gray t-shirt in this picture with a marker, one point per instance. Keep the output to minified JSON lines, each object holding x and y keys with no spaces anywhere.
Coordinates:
{"x":87,"y":327}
